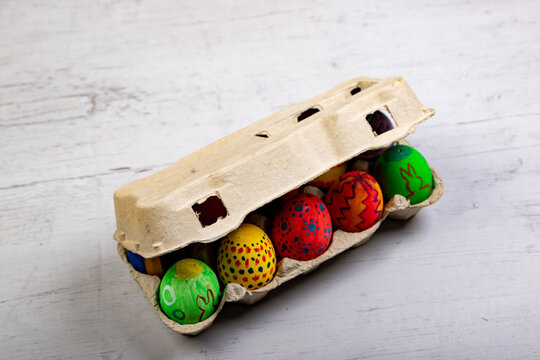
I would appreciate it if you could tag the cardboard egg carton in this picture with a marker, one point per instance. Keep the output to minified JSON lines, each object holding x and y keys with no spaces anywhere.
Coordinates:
{"x":209,"y":193}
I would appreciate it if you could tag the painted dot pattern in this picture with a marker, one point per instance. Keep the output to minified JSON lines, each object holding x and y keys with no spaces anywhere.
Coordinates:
{"x":302,"y":228}
{"x":355,"y":202}
{"x":247,"y":257}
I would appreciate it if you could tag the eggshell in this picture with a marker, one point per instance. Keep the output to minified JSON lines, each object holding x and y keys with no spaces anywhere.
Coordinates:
{"x":189,"y":292}
{"x":355,"y":202}
{"x":289,"y":196}
{"x":137,"y":261}
{"x":403,"y":170}
{"x":247,"y":257}
{"x":302,"y":228}
{"x":328,"y":178}
{"x":168,"y":260}
{"x":154,"y":266}
{"x":146,"y":266}
{"x":380,"y":124}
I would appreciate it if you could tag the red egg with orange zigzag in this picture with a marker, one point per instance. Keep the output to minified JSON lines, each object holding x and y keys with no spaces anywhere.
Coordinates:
{"x":355,"y":202}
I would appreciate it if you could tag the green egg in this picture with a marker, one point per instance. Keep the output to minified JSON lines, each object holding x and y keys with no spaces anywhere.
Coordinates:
{"x":402,"y":170}
{"x":189,"y":292}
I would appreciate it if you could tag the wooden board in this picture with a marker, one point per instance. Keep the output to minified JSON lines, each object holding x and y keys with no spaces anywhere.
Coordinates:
{"x":95,"y":94}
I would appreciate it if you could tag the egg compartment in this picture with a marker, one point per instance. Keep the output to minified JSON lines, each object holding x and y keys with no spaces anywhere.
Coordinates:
{"x":398,"y":208}
{"x":157,"y":215}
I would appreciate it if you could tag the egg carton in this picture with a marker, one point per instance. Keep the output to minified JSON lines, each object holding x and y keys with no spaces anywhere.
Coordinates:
{"x":243,"y":171}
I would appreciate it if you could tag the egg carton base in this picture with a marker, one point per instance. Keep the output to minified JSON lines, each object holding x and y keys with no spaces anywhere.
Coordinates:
{"x":398,"y":208}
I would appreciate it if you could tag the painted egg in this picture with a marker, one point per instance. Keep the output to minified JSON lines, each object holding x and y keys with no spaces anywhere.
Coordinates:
{"x":328,"y":178}
{"x":189,"y":292}
{"x":169,"y":259}
{"x":403,"y":170}
{"x":380,"y":124}
{"x":289,"y":196}
{"x":137,"y":261}
{"x":247,"y":257}
{"x":355,"y":202}
{"x":146,"y":266}
{"x":154,"y":266}
{"x":302,"y":228}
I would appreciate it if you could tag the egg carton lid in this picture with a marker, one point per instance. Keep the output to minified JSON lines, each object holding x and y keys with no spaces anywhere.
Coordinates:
{"x":207,"y":194}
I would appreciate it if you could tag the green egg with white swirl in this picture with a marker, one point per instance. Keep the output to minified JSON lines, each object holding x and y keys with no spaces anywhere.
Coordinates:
{"x":189,"y":292}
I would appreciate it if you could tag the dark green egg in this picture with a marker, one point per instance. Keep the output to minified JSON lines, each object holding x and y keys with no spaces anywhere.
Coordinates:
{"x":402,"y":170}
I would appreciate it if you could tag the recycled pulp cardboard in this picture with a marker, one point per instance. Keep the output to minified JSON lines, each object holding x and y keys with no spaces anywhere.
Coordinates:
{"x":162,"y":213}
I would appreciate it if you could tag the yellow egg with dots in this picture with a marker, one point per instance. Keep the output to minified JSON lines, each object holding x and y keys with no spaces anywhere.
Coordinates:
{"x":247,"y":257}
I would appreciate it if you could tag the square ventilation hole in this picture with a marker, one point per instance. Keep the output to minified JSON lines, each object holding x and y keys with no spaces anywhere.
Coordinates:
{"x":381,"y":121}
{"x":309,"y":112}
{"x":210,"y":210}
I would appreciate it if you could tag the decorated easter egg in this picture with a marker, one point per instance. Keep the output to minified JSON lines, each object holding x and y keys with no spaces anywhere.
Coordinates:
{"x":151,"y":266}
{"x":302,"y":228}
{"x":169,"y":259}
{"x":289,"y":196}
{"x":137,"y":261}
{"x":327,"y":179}
{"x":402,"y":170}
{"x":189,"y":292}
{"x":355,"y":202}
{"x":154,"y":266}
{"x":380,"y":124}
{"x":247,"y":257}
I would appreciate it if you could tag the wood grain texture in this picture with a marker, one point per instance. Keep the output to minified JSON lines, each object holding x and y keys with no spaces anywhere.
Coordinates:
{"x":95,"y":94}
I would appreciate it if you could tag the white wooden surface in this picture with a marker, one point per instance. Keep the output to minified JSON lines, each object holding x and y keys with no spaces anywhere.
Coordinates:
{"x":95,"y":94}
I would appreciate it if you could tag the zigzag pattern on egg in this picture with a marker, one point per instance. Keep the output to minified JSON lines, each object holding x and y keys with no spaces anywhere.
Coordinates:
{"x":345,"y":198}
{"x":349,"y":207}
{"x":355,"y":201}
